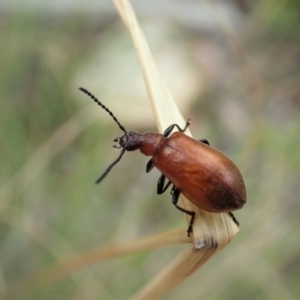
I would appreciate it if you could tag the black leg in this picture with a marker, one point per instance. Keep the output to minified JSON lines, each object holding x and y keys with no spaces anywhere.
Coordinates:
{"x":149,"y":166}
{"x":234,"y":219}
{"x":204,"y":141}
{"x":175,"y":197}
{"x":171,"y":127}
{"x":161,"y":187}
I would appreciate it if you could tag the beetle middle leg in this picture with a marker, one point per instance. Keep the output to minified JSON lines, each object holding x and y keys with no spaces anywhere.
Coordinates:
{"x":161,"y":187}
{"x":171,"y":127}
{"x":175,"y":196}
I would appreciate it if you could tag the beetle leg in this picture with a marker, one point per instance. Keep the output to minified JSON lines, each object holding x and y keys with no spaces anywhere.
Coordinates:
{"x":175,"y":196}
{"x":149,"y":166}
{"x":234,"y":219}
{"x":160,"y":184}
{"x":204,"y":141}
{"x":171,"y":127}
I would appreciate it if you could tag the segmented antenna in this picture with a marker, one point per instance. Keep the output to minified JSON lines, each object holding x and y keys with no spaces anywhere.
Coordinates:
{"x":103,"y":106}
{"x":110,"y":167}
{"x":121,"y":127}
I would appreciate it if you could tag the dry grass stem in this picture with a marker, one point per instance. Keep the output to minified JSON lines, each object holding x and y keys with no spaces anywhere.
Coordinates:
{"x":83,"y":260}
{"x":212,"y":232}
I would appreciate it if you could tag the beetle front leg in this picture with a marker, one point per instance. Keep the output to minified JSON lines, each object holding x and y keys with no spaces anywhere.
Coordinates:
{"x":149,"y":165}
{"x":175,"y":197}
{"x":171,"y":127}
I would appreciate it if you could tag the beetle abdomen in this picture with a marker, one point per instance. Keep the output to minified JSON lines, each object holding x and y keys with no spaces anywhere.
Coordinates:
{"x":204,"y":175}
{"x":224,"y":199}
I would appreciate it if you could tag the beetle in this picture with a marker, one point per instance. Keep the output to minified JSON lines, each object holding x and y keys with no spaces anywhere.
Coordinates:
{"x":204,"y":175}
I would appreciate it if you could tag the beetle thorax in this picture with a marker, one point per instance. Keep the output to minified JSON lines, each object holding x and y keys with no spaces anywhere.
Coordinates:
{"x":151,"y":142}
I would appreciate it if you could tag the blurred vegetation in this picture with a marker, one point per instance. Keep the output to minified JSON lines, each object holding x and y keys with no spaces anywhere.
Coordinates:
{"x":55,"y":143}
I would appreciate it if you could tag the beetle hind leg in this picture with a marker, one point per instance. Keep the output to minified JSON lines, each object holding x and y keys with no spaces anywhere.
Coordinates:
{"x":175,"y":196}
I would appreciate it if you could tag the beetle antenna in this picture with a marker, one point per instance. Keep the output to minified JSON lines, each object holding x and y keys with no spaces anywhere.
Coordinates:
{"x":104,"y":107}
{"x":110,"y":167}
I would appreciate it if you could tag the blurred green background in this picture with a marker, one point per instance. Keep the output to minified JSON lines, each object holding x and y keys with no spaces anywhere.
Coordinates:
{"x":54,"y":142}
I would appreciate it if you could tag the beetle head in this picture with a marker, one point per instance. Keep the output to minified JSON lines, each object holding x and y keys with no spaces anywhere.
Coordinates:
{"x":130,"y":141}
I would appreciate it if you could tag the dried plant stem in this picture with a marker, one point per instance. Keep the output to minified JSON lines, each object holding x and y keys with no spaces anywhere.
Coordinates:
{"x":57,"y":271}
{"x":163,"y":105}
{"x":212,"y":232}
{"x":174,"y":273}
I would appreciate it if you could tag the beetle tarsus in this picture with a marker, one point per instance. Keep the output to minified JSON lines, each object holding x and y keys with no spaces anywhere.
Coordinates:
{"x":189,"y":230}
{"x":171,"y":127}
{"x":234,"y":219}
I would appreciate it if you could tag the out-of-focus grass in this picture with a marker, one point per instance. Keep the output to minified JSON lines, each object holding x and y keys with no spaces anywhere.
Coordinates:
{"x":55,"y":142}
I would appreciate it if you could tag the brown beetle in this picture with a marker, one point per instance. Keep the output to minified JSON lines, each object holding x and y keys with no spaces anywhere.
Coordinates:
{"x":204,"y":175}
